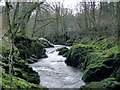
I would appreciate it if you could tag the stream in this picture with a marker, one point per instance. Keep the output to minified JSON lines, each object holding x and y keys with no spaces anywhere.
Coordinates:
{"x":54,"y":73}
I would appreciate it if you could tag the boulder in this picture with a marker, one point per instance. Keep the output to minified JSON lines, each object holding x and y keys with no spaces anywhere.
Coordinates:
{"x":97,"y":73}
{"x":28,"y":47}
{"x":23,"y":70}
{"x":117,"y":75}
{"x":77,"y":55}
{"x":45,"y":42}
{"x":106,"y":84}
{"x":63,"y":51}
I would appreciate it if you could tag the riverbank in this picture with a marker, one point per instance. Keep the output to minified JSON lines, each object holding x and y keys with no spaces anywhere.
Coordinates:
{"x":26,"y":51}
{"x":100,"y":61}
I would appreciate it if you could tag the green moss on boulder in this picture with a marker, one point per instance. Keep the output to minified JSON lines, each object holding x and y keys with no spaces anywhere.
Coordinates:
{"x":29,"y":47}
{"x":106,"y":84}
{"x":97,"y":73}
{"x":99,"y":60}
{"x":63,"y":51}
{"x":78,"y":55}
{"x":23,"y":74}
{"x":21,"y":68}
{"x":17,"y":83}
{"x":45,"y":43}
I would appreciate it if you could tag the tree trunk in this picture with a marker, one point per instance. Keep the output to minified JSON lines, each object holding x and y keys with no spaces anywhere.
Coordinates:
{"x":118,"y":19}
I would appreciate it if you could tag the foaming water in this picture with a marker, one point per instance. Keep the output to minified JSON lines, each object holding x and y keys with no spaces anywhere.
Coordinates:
{"x":54,"y":73}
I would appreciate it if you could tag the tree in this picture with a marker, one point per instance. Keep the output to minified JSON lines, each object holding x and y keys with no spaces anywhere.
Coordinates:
{"x":118,"y":20}
{"x":15,"y":20}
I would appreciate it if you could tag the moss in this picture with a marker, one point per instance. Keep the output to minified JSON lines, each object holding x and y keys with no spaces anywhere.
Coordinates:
{"x":99,"y":59}
{"x":17,"y":82}
{"x":63,"y":51}
{"x":45,"y":43}
{"x":103,"y":44}
{"x":23,"y":75}
{"x":97,"y":73}
{"x":29,"y":47}
{"x":106,"y":84}
{"x":78,"y":54}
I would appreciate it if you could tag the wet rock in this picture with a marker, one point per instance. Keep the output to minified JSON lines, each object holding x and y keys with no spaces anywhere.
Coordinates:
{"x":77,"y":55}
{"x":97,"y":73}
{"x":22,"y":73}
{"x":45,"y":42}
{"x":107,"y":84}
{"x":28,"y":47}
{"x":118,"y":75}
{"x":63,"y":51}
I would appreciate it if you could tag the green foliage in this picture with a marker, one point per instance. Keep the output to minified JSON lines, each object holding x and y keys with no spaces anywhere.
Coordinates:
{"x":29,"y":47}
{"x":78,"y":55}
{"x":99,"y":59}
{"x":23,"y":76}
{"x":107,"y":84}
{"x":18,"y":83}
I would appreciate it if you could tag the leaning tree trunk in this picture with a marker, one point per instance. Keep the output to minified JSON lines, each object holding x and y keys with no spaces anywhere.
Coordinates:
{"x":118,"y":20}
{"x":11,"y":36}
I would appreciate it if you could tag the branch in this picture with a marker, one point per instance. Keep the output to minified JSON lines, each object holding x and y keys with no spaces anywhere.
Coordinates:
{"x":48,"y":23}
{"x":45,"y":19}
{"x":34,"y":7}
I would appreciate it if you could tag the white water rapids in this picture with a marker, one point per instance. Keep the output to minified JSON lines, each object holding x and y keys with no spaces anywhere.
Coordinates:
{"x":54,"y":73}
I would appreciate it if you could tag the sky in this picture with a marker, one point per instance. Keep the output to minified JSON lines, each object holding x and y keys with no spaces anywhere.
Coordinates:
{"x":67,"y":3}
{"x":1,"y":2}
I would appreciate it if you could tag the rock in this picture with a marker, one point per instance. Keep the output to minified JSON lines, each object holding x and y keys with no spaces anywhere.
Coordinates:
{"x":77,"y":55}
{"x":117,"y":75}
{"x":113,"y":61}
{"x":24,"y":71}
{"x":28,"y":47}
{"x":106,"y":84}
{"x":63,"y":51}
{"x":23,"y":76}
{"x":97,"y":73}
{"x":21,"y":69}
{"x":69,"y":42}
{"x":45,"y":42}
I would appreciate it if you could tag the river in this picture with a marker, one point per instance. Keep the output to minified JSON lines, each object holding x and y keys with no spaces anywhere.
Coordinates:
{"x":54,"y":73}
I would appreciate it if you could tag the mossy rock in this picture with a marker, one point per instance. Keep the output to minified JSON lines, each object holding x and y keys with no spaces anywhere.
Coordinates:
{"x":103,"y":43}
{"x":101,"y":67}
{"x":23,"y":75}
{"x":117,"y":75}
{"x":17,"y":83}
{"x":45,"y":43}
{"x":106,"y":84}
{"x":21,"y":68}
{"x":29,"y":47}
{"x":97,"y":73}
{"x":78,"y":54}
{"x":69,"y":42}
{"x":63,"y":51}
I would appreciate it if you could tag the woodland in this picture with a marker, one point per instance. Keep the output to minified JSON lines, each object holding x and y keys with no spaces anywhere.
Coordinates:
{"x":91,"y":30}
